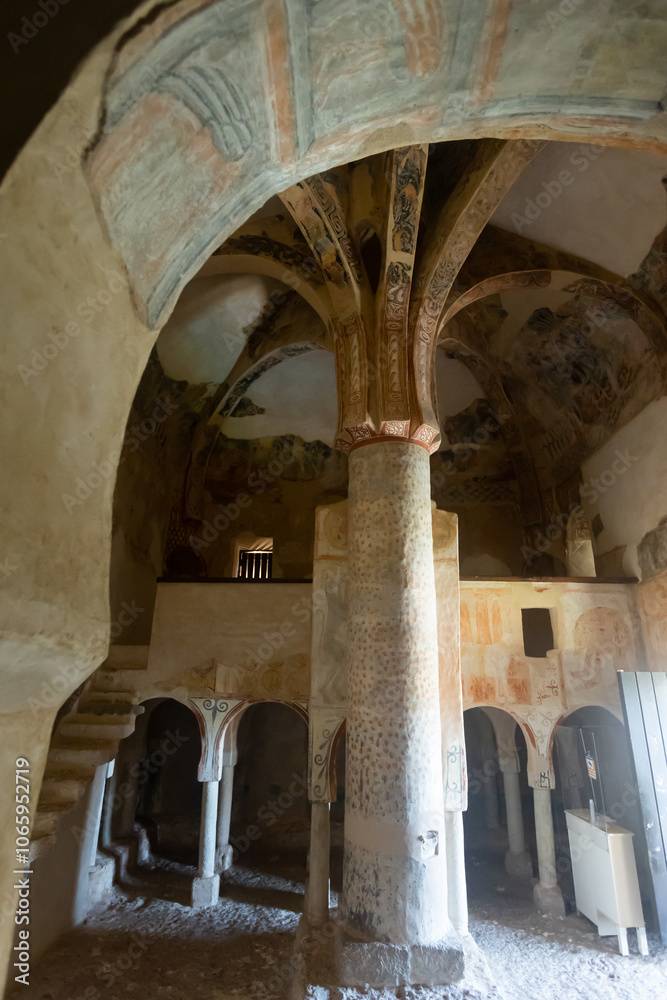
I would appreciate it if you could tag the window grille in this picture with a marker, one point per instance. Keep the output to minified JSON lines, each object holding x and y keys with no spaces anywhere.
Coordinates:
{"x":254,"y":565}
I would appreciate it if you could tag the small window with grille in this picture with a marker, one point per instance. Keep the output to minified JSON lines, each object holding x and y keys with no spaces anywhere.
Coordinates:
{"x":254,"y":565}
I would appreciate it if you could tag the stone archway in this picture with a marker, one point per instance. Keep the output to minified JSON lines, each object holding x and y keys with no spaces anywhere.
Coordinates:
{"x":94,"y":259}
{"x":270,"y":784}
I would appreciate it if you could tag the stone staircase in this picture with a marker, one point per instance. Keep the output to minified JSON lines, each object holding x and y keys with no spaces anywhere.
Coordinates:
{"x":89,"y":735}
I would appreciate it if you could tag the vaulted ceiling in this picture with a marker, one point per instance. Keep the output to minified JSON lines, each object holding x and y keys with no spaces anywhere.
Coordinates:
{"x":552,"y":329}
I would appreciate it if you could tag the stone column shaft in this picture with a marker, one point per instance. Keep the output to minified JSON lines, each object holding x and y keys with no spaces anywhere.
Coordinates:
{"x":224,"y":851}
{"x":206,"y":886}
{"x":395,"y":880}
{"x":517,"y":859}
{"x":547,"y":893}
{"x":96,"y":808}
{"x":106,"y":832}
{"x":129,"y":786}
{"x":457,"y":890}
{"x":208,"y":828}
{"x":318,"y":877}
{"x":515,"y":833}
{"x":491,"y":808}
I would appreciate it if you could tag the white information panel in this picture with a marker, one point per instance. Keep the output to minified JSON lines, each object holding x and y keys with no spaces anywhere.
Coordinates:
{"x":605,"y":876}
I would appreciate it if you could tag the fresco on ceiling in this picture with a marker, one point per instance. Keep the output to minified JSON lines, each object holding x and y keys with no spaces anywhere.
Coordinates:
{"x":473,"y":464}
{"x":265,"y":465}
{"x":652,"y":275}
{"x":578,"y":372}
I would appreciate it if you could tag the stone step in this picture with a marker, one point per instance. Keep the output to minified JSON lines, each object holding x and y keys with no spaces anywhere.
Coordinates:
{"x":43,"y":826}
{"x":82,"y":751}
{"x":96,"y":727}
{"x":110,"y":703}
{"x":110,"y":721}
{"x":41,"y":846}
{"x":56,"y":796}
{"x":68,"y":771}
{"x":100,"y":879}
{"x":115,"y":680}
{"x":126,"y":658}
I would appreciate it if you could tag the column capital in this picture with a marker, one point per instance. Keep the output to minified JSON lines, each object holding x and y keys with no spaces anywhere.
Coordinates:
{"x":324,"y":728}
{"x":213,"y":716}
{"x":374,"y":347}
{"x":390,"y":430}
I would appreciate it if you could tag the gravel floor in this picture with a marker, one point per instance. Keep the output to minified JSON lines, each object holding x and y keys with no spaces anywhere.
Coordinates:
{"x":148,"y":944}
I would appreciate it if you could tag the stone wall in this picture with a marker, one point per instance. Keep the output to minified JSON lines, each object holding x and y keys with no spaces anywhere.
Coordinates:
{"x":624,"y":493}
{"x":253,"y":642}
{"x":245,"y":640}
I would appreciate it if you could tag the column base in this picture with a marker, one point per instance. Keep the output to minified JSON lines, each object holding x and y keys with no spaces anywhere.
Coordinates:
{"x":224,"y":858}
{"x":519,"y":864}
{"x":322,"y":953}
{"x":378,"y":965}
{"x":205,"y":891}
{"x":549,"y":899}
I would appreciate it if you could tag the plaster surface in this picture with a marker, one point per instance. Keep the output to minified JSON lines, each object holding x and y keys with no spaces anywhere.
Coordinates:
{"x":395,"y":883}
{"x":135,"y":176}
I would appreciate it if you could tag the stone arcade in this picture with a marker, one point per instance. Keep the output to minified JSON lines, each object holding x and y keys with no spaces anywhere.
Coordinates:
{"x":334,"y":378}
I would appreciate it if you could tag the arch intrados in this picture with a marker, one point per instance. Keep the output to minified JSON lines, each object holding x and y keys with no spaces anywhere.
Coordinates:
{"x":300,"y":710}
{"x":245,"y":376}
{"x":634,"y":308}
{"x":223,"y":264}
{"x":517,"y":718}
{"x":156,"y":702}
{"x":127,"y":331}
{"x":201,"y":249}
{"x":613,"y":711}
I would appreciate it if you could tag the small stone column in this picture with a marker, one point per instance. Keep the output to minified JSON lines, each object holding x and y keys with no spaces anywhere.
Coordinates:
{"x":106,"y":829}
{"x":394,"y":899}
{"x":517,"y":859}
{"x":491,"y":808}
{"x":127,"y":789}
{"x":93,"y":826}
{"x":206,"y":886}
{"x":457,"y":890}
{"x":214,"y":716}
{"x":546,"y":893}
{"x":317,"y":901}
{"x":224,"y":851}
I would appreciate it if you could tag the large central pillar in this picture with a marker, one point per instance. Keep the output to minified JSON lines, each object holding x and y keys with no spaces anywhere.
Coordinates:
{"x":395,"y":877}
